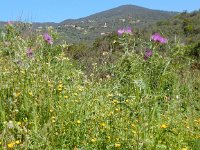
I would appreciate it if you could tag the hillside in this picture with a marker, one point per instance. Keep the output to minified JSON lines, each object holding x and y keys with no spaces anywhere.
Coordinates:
{"x":96,"y":25}
{"x":103,"y":23}
{"x":125,"y":12}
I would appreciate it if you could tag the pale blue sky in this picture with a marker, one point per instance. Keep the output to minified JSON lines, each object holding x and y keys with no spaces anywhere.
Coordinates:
{"x":59,"y":10}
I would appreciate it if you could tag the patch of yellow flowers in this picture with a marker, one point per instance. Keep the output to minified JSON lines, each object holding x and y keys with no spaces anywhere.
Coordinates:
{"x":12,"y":144}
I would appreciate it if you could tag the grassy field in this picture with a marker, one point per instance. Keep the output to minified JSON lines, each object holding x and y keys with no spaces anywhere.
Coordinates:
{"x":148,"y":100}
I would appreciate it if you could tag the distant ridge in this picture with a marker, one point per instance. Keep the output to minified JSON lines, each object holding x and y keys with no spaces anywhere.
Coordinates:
{"x":124,"y":11}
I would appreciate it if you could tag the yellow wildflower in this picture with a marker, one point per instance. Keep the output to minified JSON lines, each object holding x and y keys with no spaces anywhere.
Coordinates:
{"x":30,"y":93}
{"x":115,"y":101}
{"x":19,"y":123}
{"x":93,"y":140}
{"x":17,"y":142}
{"x":163,"y":126}
{"x":53,"y":119}
{"x":17,"y":94}
{"x":103,"y":124}
{"x":65,"y":96}
{"x":60,"y":87}
{"x":110,"y":95}
{"x":108,"y":137}
{"x":78,"y":121}
{"x":11,"y":145}
{"x":23,"y":72}
{"x":117,"y":145}
{"x":117,"y":110}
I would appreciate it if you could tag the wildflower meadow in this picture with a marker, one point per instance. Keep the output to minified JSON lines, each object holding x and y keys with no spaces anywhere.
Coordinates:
{"x":149,"y":98}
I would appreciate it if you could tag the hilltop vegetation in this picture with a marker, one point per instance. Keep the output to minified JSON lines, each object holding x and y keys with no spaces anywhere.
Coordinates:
{"x":127,"y":92}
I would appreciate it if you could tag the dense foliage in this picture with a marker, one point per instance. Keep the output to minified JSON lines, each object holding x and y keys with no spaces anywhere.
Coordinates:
{"x":126,"y":93}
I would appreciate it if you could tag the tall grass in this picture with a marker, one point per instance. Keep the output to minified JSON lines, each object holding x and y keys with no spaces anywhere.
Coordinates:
{"x":47,"y":102}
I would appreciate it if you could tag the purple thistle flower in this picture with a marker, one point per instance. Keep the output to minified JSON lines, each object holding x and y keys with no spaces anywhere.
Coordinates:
{"x":127,"y":30}
{"x":120,"y":32}
{"x":29,"y":53}
{"x":48,"y":38}
{"x":163,"y":40}
{"x":148,"y":54}
{"x":158,"y":38}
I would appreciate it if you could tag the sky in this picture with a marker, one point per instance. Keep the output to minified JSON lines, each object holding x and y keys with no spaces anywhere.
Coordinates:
{"x":59,"y":10}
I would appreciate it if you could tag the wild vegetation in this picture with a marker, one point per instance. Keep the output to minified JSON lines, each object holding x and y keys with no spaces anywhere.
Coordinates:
{"x":137,"y":93}
{"x":183,"y":29}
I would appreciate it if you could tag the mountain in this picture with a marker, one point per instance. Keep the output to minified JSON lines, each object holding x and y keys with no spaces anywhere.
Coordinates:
{"x":125,"y":12}
{"x":103,"y":23}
